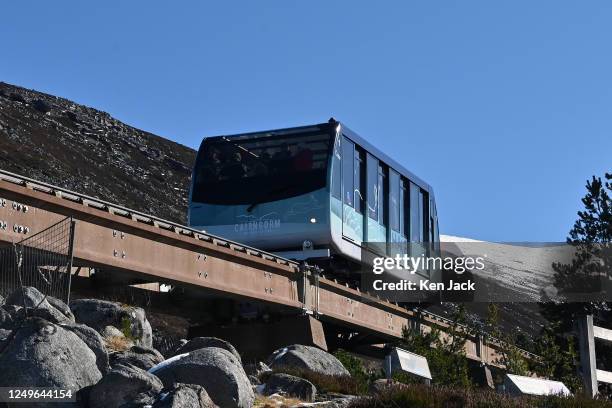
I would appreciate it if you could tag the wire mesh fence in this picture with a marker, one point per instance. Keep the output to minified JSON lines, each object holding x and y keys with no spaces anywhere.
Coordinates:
{"x":43,"y":261}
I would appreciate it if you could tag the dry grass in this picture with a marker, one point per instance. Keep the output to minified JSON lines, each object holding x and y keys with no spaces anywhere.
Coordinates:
{"x":422,"y":396}
{"x":117,"y":343}
{"x":275,"y":401}
{"x":331,"y":384}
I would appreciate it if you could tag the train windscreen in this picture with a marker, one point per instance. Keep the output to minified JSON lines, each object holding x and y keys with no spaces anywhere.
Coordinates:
{"x":258,"y":168}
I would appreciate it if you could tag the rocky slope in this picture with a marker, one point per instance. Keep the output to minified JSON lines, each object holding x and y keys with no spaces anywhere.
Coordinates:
{"x":86,"y":150}
{"x":101,"y":351}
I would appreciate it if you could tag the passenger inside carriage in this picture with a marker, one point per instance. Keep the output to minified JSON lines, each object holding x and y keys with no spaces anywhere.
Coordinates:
{"x":281,"y":160}
{"x":303,"y":158}
{"x":260,"y":165}
{"x":234,"y":169}
{"x":211,"y":168}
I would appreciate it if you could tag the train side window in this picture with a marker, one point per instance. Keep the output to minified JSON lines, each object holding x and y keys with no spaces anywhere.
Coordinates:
{"x":434,"y":226}
{"x":394,"y":200}
{"x":432,"y":235}
{"x":358,"y":171}
{"x":336,"y":180}
{"x":372,"y":189}
{"x":383,"y":191}
{"x":403,"y":209}
{"x":415,"y":214}
{"x":348,"y":149}
{"x":424,"y":215}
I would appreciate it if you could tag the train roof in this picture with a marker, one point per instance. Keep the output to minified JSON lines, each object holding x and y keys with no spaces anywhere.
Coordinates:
{"x":367,"y":146}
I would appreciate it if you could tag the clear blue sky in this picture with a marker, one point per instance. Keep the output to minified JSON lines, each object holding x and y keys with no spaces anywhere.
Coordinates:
{"x":504,"y":107}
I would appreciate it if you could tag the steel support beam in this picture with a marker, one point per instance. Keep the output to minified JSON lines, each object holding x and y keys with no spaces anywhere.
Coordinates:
{"x":132,"y":244}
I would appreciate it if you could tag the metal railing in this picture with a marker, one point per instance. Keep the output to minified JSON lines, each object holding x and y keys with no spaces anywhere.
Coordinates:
{"x":42,"y":261}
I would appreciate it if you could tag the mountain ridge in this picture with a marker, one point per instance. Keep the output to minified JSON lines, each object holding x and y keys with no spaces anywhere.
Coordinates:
{"x":61,"y":142}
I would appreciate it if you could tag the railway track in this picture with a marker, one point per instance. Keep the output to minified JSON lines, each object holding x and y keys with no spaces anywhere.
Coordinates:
{"x":147,"y":248}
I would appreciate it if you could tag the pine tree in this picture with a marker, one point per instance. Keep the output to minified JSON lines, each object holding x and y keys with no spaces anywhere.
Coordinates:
{"x":445,"y":354}
{"x":511,"y":356}
{"x":589,"y":271}
{"x":558,"y":358}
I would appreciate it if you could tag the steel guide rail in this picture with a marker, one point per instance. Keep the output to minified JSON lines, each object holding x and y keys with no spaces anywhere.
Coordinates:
{"x":332,"y":285}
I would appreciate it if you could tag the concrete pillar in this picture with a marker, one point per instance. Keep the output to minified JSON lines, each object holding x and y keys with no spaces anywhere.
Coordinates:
{"x":481,"y":374}
{"x":587,"y":355}
{"x":480,"y":348}
{"x":488,"y":377}
{"x":388,"y":367}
